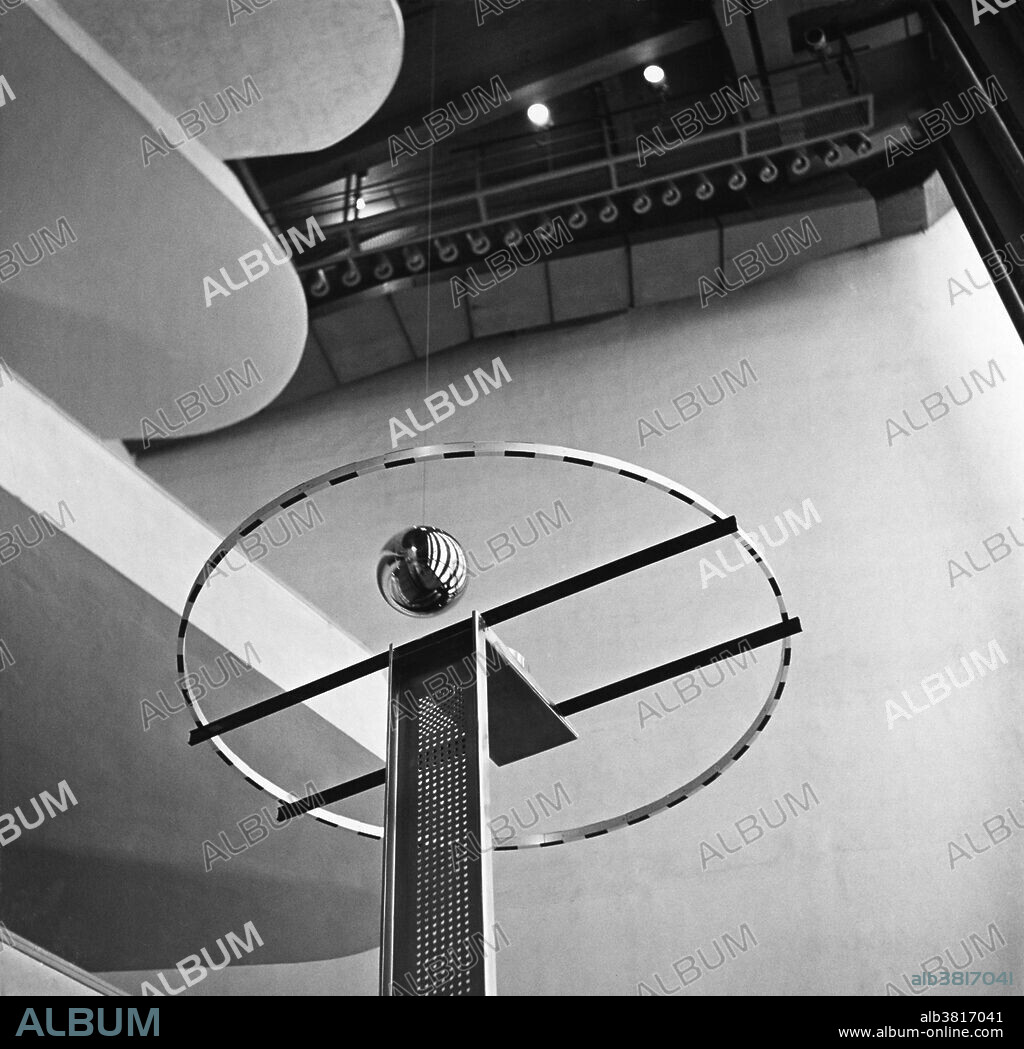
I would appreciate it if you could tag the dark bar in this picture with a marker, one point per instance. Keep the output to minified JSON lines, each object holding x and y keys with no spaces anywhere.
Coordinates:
{"x":654,"y":676}
{"x":755,"y":639}
{"x":288,"y":699}
{"x":289,"y":809}
{"x":517,"y":607}
{"x":603,"y":573}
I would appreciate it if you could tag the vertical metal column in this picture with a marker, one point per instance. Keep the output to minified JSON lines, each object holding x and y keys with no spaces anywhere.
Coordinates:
{"x":438,"y":898}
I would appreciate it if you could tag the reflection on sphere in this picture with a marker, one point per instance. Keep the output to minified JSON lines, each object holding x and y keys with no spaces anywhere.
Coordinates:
{"x":422,"y":571}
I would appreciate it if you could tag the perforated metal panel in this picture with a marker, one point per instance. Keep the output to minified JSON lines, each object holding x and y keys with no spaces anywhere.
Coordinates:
{"x":437,"y":878}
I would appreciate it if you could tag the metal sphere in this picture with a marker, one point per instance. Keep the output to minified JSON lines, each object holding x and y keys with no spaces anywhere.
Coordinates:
{"x":422,"y":571}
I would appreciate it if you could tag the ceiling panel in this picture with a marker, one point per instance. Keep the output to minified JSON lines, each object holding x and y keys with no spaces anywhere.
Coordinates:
{"x":668,"y":269}
{"x":596,"y":282}
{"x":520,"y":301}
{"x":363,"y":338}
{"x":839,"y":225}
{"x":429,"y":307}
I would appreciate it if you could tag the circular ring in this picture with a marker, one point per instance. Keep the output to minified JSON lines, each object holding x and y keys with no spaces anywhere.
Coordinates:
{"x":512,"y":450}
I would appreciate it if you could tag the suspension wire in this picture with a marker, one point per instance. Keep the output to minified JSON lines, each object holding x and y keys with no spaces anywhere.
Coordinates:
{"x":430,"y":221}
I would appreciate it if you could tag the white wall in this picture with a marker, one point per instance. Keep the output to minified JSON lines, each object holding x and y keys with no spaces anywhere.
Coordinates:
{"x":857,"y":890}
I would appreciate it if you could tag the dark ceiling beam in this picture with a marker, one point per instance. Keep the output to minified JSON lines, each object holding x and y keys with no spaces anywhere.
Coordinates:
{"x":772,"y":24}
{"x":982,"y":162}
{"x":844,"y":16}
{"x":758,"y":43}
{"x":988,"y":207}
{"x":996,"y":46}
{"x":735,"y":30}
{"x":547,"y":79}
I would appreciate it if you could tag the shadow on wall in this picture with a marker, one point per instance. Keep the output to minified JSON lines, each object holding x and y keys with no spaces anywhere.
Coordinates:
{"x":115,"y":879}
{"x":111,"y":914}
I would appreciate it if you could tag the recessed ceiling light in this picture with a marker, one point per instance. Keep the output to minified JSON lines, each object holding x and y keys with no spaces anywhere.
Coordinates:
{"x":539,"y":114}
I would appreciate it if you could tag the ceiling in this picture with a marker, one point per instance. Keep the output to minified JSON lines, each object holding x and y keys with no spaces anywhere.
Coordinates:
{"x":794,"y":102}
{"x":114,"y":320}
{"x":407,"y":210}
{"x":192,"y":51}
